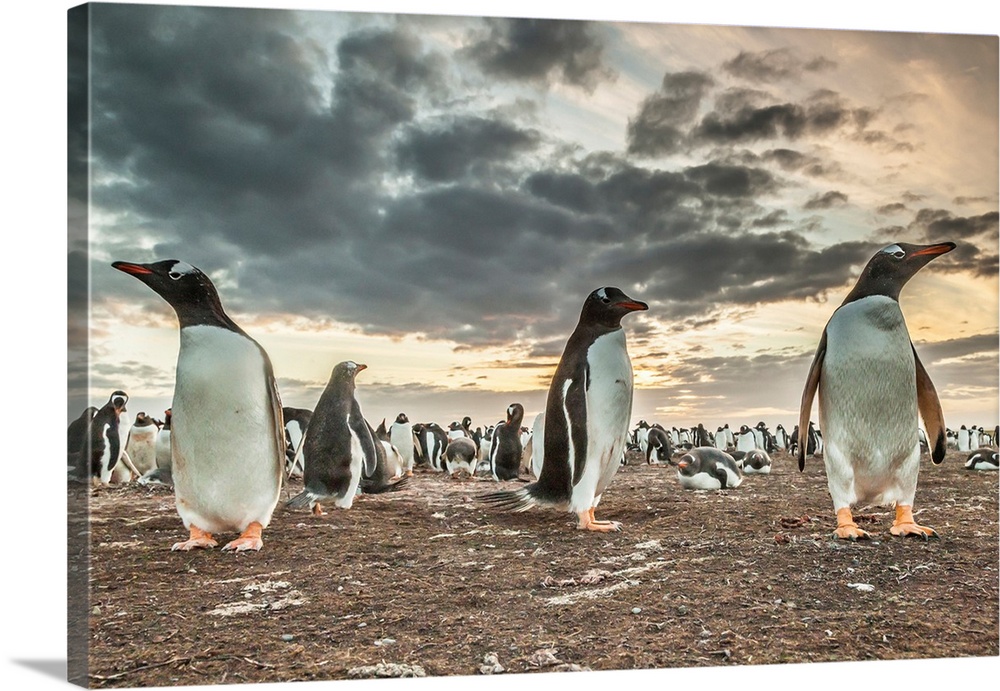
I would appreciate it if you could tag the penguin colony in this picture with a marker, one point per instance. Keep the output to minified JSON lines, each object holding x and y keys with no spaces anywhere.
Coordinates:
{"x":230,"y":481}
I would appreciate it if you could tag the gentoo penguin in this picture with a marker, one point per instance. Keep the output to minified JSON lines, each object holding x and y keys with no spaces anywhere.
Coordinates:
{"x":756,"y":461}
{"x":872,"y":391}
{"x":964,"y":443}
{"x":700,"y":436}
{"x":227,"y":436}
{"x":746,"y":440}
{"x":102,"y":447}
{"x":721,"y":442}
{"x":758,"y":435}
{"x":456,"y":431}
{"x":974,"y":437}
{"x":433,"y":440}
{"x":642,"y":437}
{"x":392,"y":459}
{"x":538,"y":444}
{"x":460,"y":455}
{"x":296,"y":421}
{"x":388,"y":465}
{"x":658,"y":446}
{"x":587,"y":415}
{"x":982,"y":459}
{"x":141,"y":444}
{"x":77,"y":433}
{"x":505,"y":454}
{"x":401,"y":436}
{"x":780,"y":438}
{"x":705,"y":467}
{"x":339,"y":447}
{"x":163,"y":442}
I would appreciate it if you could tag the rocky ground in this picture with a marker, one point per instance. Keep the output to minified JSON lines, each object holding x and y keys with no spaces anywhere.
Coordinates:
{"x":429,"y":582}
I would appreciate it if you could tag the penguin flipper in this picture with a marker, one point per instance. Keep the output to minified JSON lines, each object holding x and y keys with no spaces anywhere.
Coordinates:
{"x":277,"y":414}
{"x":930,"y":410}
{"x":805,"y":407}
{"x":366,"y":436}
{"x":723,"y":477}
{"x":374,"y":487}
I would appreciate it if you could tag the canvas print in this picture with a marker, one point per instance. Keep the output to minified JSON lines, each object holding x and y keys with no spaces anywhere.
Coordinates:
{"x":406,"y":345}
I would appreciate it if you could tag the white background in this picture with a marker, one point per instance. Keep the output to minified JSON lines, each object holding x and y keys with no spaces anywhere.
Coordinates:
{"x":32,"y":606}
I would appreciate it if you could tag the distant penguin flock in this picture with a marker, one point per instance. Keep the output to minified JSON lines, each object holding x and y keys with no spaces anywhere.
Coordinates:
{"x":227,"y":444}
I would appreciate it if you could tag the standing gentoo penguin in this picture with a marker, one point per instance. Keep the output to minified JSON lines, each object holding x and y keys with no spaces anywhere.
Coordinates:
{"x":401,"y":436}
{"x":587,"y":415}
{"x":102,"y":447}
{"x":163,"y":442}
{"x":505,"y":454}
{"x":746,"y":440}
{"x":871,"y":387}
{"x":538,"y":444}
{"x":227,"y":437}
{"x":296,"y":421}
{"x":141,"y":444}
{"x":705,"y":467}
{"x":339,"y":447}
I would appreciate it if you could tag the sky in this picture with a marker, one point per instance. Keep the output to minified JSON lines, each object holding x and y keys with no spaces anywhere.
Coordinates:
{"x":434,"y":196}
{"x":35,"y":283}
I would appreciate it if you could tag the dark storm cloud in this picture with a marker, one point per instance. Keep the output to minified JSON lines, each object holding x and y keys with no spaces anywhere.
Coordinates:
{"x":893,"y":208}
{"x":700,"y":273}
{"x":542,"y":50}
{"x":940,"y":223}
{"x":462,"y":146}
{"x":660,"y":126}
{"x":733,"y":181}
{"x":671,"y":119}
{"x":774,"y":65}
{"x":827,"y":200}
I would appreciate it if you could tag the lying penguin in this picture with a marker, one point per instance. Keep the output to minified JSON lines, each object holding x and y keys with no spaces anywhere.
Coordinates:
{"x":705,"y":467}
{"x":982,"y":459}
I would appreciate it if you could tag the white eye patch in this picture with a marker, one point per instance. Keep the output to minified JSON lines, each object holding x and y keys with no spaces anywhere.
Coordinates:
{"x":180,"y":269}
{"x":894,"y":250}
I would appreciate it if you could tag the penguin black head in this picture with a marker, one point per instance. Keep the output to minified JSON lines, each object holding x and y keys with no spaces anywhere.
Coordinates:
{"x":118,"y":400}
{"x":688,"y":464}
{"x":186,"y":288}
{"x":606,"y":307}
{"x":401,"y":419}
{"x":345,"y":372}
{"x":891,"y":267}
{"x":515,"y":413}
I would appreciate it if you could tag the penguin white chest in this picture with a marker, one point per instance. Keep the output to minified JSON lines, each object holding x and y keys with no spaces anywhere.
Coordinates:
{"x":868,"y":404}
{"x":609,"y":405}
{"x":225,"y":455}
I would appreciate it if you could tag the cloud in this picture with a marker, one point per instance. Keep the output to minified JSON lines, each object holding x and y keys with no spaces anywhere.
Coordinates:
{"x":541,"y":51}
{"x":659,"y":126}
{"x":463,"y":146}
{"x":774,"y":65}
{"x":826,"y":200}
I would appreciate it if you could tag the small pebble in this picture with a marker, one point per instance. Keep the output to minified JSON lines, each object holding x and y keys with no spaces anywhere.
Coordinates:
{"x":636,"y":610}
{"x":287,"y":637}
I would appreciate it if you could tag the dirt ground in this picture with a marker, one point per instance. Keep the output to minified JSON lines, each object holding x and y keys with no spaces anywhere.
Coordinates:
{"x":427,"y":581}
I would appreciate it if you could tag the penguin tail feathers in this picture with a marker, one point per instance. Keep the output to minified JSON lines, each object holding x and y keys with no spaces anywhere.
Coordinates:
{"x":373,"y":487}
{"x":301,"y":500}
{"x":510,"y":501}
